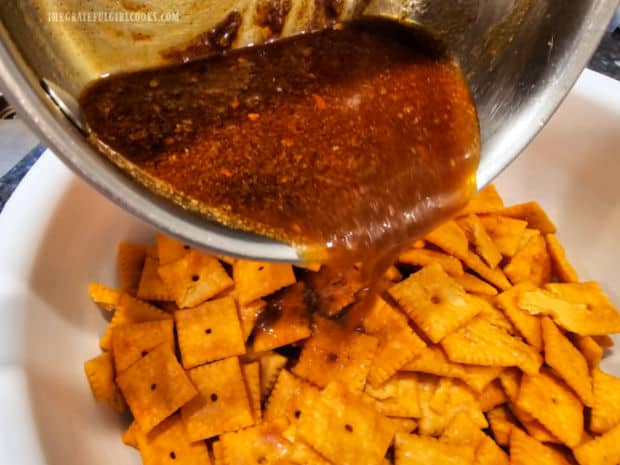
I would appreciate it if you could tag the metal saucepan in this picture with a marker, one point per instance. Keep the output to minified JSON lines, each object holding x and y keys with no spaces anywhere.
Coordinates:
{"x":521,"y":58}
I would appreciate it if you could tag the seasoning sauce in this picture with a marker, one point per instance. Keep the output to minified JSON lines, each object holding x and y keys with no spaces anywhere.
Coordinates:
{"x":347,"y":143}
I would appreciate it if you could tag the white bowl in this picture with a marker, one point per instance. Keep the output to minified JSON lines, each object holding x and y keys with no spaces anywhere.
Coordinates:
{"x":57,"y":235}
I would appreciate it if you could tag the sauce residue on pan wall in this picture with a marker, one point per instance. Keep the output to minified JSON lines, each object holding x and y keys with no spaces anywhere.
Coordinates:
{"x":347,"y":142}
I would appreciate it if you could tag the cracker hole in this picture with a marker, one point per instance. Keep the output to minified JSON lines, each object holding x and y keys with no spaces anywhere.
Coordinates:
{"x":261,"y":460}
{"x":195,"y":278}
{"x":261,"y":268}
{"x":435,"y":300}
{"x":173,"y":455}
{"x":297,"y":413}
{"x":348,"y":427}
{"x":144,"y":353}
{"x":332,"y":357}
{"x":153,"y":386}
{"x":214,"y":397}
{"x":186,"y":247}
{"x":208,"y":331}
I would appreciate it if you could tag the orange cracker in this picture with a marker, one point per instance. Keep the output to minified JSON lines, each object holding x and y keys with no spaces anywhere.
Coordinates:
{"x":533,"y":427}
{"x":501,"y":421}
{"x":222,"y":403}
{"x":130,"y":436}
{"x":151,"y":286}
{"x":604,"y":340}
{"x":397,"y":342}
{"x":433,"y":360}
{"x":271,"y":363}
{"x":485,"y":201}
{"x":411,"y":449}
{"x":525,"y":450}
{"x":251,"y":376}
{"x":100,"y":374}
{"x":404,"y":425}
{"x":155,"y":387}
{"x":462,"y":431}
{"x":248,"y":315}
{"x":530,"y":264}
{"x":254,"y":280}
{"x":424,"y":257}
{"x":133,"y":341}
{"x":336,"y":353}
{"x":492,"y":396}
{"x":194,"y":278}
{"x":451,"y":397}
{"x":533,"y":213}
{"x":528,"y":325}
{"x":169,"y":443}
{"x":505,"y":232}
{"x":291,"y":395}
{"x":263,"y":444}
{"x":588,"y":347}
{"x":567,"y":361}
{"x":606,"y":407}
{"x":481,"y":343}
{"x":581,"y":308}
{"x":104,"y":296}
{"x":398,"y":397}
{"x":493,"y":315}
{"x":209,"y":332}
{"x":475,"y":285}
{"x":345,"y":428}
{"x":129,"y":263}
{"x":510,"y":379}
{"x":434,"y":301}
{"x":284,"y":321}
{"x":479,"y":377}
{"x":334,"y":288}
{"x":561,"y":266}
{"x":480,"y":240}
{"x":554,"y":405}
{"x":604,"y":450}
{"x":131,"y":310}
{"x":169,"y":249}
{"x":450,"y":238}
{"x":494,"y":276}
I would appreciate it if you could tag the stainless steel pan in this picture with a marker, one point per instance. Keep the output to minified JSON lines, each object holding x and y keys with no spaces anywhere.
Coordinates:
{"x":521,"y":58}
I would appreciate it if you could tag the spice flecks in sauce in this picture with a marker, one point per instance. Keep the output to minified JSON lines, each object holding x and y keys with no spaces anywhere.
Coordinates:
{"x":345,"y":142}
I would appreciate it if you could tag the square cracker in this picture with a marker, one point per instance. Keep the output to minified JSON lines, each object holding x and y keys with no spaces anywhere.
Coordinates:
{"x":155,"y":387}
{"x":424,"y":257}
{"x":263,"y":444}
{"x":335,"y":352}
{"x":397,"y":342}
{"x":133,"y":341}
{"x":168,"y":444}
{"x":194,"y":278}
{"x":334,"y":288}
{"x":151,"y":286}
{"x":284,"y":321}
{"x":505,"y":232}
{"x":434,"y":301}
{"x":209,"y":332}
{"x":345,"y":428}
{"x":169,"y":249}
{"x":554,"y":405}
{"x":254,"y":280}
{"x":100,"y":374}
{"x":487,"y":200}
{"x":533,"y":213}
{"x":604,"y":450}
{"x":222,"y":403}
{"x":251,"y":376}
{"x":530,"y":264}
{"x":606,"y":408}
{"x":397,"y":397}
{"x":291,"y":395}
{"x":411,"y":449}
{"x":129,"y":263}
{"x":131,"y":310}
{"x":561,"y":266}
{"x":482,"y":343}
{"x":525,"y":450}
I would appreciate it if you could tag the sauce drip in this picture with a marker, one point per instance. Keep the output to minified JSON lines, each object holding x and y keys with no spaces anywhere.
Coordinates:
{"x":347,"y":142}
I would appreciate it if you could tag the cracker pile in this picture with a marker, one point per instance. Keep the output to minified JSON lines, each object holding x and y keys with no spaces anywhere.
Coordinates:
{"x":483,"y":348}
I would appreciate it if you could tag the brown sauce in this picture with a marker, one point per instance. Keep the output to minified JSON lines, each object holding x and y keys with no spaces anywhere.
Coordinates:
{"x":347,"y":143}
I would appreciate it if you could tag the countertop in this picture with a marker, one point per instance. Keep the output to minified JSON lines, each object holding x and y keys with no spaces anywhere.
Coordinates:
{"x":606,"y":60}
